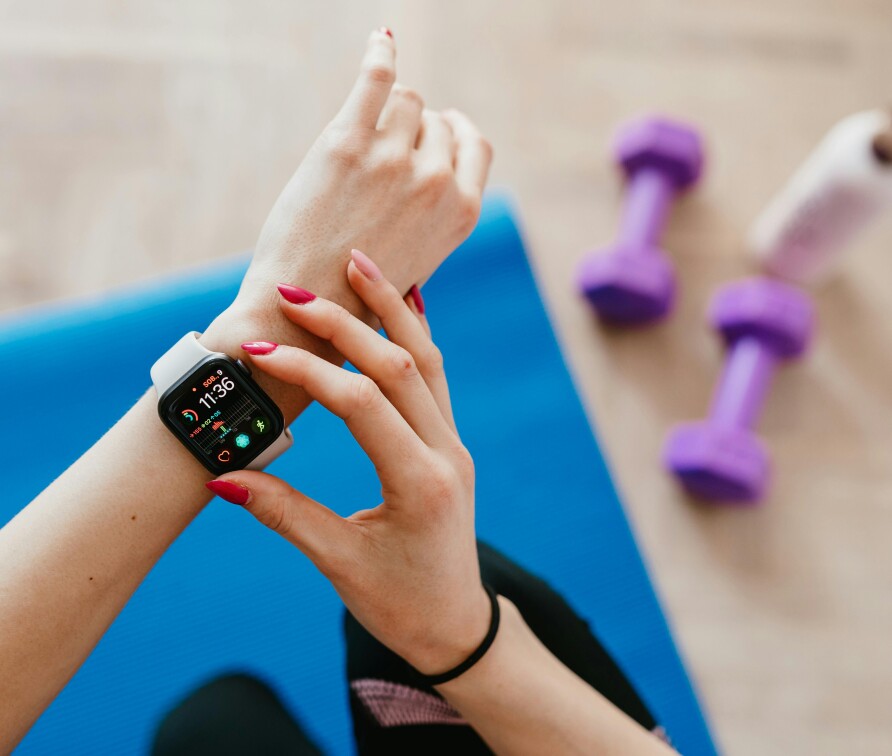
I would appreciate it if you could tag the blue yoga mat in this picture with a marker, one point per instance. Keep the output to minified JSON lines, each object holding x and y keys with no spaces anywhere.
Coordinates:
{"x":230,"y":595}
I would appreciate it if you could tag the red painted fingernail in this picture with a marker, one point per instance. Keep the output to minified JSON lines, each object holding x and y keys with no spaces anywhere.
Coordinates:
{"x":415,"y":293}
{"x":231,"y":492}
{"x":385,"y":30}
{"x":259,"y":347}
{"x":295,"y":294}
{"x":366,"y":266}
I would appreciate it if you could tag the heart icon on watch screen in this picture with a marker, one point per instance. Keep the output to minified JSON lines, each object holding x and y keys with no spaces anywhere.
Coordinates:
{"x":224,"y":455}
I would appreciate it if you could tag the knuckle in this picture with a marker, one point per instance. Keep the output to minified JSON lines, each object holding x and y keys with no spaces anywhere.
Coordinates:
{"x":274,"y":514}
{"x":441,"y":484}
{"x":438,"y":181}
{"x":487,"y":148}
{"x":339,"y":321}
{"x":464,"y":464}
{"x":409,"y":96}
{"x":345,"y":146}
{"x":401,"y":364}
{"x":431,"y":358}
{"x":364,"y":393}
{"x":394,"y":164}
{"x":379,"y":73}
{"x":468,"y":213}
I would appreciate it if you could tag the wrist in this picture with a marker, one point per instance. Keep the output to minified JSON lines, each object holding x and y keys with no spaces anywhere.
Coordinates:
{"x":239,"y":324}
{"x":255,"y":315}
{"x":452,"y":642}
{"x":233,"y":327}
{"x":511,"y":642}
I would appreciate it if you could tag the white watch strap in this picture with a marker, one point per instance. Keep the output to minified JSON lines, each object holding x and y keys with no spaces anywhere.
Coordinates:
{"x":179,"y":360}
{"x":279,"y":446}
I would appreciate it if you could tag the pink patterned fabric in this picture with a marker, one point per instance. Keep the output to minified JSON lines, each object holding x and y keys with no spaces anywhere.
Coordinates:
{"x":393,"y":705}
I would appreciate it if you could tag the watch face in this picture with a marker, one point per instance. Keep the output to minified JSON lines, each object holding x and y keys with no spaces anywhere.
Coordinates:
{"x":222,"y":416}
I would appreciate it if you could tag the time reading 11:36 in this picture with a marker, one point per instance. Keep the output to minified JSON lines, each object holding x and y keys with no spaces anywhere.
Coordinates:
{"x":218,"y":390}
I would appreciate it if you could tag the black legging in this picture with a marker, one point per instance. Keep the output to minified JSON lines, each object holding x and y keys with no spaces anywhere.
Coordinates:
{"x":393,"y":711}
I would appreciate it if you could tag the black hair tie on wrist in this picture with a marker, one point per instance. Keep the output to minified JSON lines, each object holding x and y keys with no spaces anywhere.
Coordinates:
{"x":481,"y":649}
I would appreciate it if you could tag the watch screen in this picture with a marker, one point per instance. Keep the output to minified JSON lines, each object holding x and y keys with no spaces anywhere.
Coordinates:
{"x":223,"y":416}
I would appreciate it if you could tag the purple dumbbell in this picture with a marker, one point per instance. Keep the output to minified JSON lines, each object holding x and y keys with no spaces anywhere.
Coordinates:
{"x":632,"y":281}
{"x":763,"y":322}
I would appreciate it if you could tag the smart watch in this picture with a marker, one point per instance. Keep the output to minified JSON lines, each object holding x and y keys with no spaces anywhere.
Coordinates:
{"x":209,"y":401}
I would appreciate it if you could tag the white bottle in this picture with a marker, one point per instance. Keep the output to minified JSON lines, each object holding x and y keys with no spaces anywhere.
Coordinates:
{"x":842,"y":185}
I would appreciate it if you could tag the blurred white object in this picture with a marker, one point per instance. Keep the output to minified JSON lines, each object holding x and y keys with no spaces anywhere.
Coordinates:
{"x":842,"y":185}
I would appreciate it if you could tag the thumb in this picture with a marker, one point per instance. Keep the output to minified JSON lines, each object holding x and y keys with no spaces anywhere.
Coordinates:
{"x":312,"y":527}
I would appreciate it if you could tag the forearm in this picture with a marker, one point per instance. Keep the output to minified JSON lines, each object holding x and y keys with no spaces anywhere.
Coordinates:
{"x":72,"y":558}
{"x":521,"y":700}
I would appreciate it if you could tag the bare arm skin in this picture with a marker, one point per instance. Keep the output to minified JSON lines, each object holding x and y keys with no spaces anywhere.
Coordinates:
{"x":386,"y":174}
{"x":522,"y":700}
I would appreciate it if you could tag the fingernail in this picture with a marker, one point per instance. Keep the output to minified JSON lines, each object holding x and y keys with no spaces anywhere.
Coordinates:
{"x":415,"y":293}
{"x":295,"y":294}
{"x":366,"y":266}
{"x":259,"y":347}
{"x":231,"y":492}
{"x":385,"y":30}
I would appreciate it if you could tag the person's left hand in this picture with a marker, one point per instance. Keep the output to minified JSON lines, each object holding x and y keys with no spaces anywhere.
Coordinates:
{"x":407,"y":569}
{"x":385,"y":174}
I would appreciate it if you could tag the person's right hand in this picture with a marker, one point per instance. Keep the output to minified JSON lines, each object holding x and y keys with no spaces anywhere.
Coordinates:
{"x":407,"y":569}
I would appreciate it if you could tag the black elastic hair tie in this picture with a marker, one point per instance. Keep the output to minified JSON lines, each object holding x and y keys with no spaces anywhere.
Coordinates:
{"x":481,"y":649}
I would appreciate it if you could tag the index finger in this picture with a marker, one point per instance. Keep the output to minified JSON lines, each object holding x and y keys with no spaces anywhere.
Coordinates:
{"x":372,"y":88}
{"x":374,"y":422}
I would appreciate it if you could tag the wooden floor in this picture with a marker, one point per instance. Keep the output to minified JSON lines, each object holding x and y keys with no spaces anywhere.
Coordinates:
{"x":136,"y":138}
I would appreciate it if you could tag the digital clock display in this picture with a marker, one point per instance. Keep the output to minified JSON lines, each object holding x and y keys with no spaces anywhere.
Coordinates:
{"x":225,"y":419}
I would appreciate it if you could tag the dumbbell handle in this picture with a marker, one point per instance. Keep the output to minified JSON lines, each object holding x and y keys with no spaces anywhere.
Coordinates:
{"x":649,"y":192}
{"x":746,"y":378}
